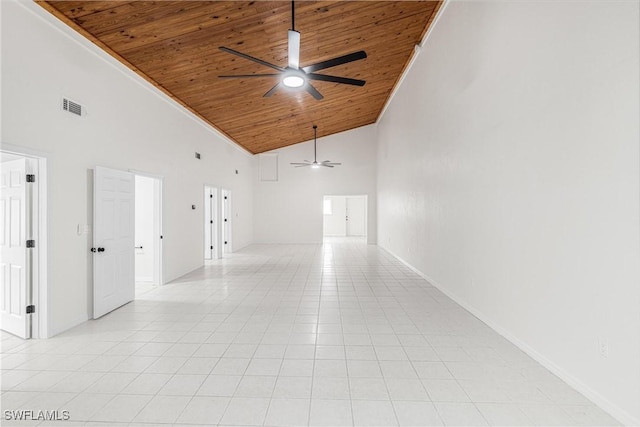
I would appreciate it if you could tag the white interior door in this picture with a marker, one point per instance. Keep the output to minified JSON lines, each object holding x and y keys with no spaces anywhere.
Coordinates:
{"x":356,"y":216}
{"x":13,"y":239}
{"x":226,"y":225}
{"x":113,"y":239}
{"x":210,"y":223}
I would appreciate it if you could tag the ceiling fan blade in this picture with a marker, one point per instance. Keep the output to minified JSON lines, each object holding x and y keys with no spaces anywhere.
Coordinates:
{"x":242,"y":76}
{"x":335,"y":79}
{"x":326,"y":165}
{"x":355,"y":56}
{"x":300,"y":163}
{"x":314,"y":92}
{"x":294,"y":49}
{"x":301,"y":166}
{"x":272,"y":90}
{"x":250,"y":58}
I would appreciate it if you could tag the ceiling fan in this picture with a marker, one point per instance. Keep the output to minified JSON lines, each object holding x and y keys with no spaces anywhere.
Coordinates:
{"x":295,"y":77}
{"x":315,"y":164}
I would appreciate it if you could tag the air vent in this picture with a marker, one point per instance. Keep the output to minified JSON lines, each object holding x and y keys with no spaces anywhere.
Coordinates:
{"x":72,"y":107}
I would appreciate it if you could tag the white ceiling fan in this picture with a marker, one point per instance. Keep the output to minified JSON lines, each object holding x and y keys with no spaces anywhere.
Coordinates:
{"x":315,"y":164}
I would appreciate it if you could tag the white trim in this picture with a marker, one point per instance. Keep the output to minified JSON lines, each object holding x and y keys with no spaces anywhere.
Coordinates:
{"x":147,"y":174}
{"x":614,"y":410}
{"x":227,"y":227}
{"x":33,"y":256}
{"x":416,"y":51}
{"x":40,"y":291}
{"x":70,"y":325}
{"x":74,"y":36}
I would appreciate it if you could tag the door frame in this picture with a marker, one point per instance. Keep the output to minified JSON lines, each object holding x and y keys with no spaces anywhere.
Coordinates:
{"x":159,"y":231}
{"x":226,"y":207}
{"x":40,"y":232}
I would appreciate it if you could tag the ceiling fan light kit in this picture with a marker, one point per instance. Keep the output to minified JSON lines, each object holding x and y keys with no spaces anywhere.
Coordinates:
{"x":293,"y":76}
{"x":293,"y":79}
{"x":315,"y":164}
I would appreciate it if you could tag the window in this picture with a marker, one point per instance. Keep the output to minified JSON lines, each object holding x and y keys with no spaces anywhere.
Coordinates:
{"x":327,"y":207}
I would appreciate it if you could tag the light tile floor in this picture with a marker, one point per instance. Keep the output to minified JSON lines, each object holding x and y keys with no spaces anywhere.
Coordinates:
{"x":287,"y":335}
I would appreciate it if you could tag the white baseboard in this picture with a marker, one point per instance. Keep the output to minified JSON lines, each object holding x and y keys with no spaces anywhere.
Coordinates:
{"x":614,"y":410}
{"x":56,"y":330}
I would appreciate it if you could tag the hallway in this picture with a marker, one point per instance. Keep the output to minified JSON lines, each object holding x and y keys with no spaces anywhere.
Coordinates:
{"x":333,"y":334}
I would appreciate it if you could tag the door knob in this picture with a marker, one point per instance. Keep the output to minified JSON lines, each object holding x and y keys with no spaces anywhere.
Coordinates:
{"x":93,"y":249}
{"x":100,"y":249}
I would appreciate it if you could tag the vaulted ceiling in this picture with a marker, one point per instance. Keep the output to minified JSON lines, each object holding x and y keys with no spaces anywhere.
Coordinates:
{"x":175,"y":46}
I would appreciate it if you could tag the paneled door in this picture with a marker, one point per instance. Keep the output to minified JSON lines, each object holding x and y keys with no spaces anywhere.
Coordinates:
{"x":226,"y":222}
{"x":210,"y":223}
{"x":13,"y":243}
{"x":113,"y":239}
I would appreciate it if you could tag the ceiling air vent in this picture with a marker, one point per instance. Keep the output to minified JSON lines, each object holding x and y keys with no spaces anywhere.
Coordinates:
{"x":72,"y":107}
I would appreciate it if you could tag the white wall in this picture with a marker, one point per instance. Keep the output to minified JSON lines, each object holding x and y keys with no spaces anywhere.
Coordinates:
{"x":145,"y":226}
{"x":129,"y":126}
{"x":335,"y":224}
{"x":509,"y":175}
{"x":290,"y":210}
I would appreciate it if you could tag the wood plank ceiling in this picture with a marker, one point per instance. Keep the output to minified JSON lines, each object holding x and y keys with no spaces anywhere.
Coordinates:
{"x":174,"y":45}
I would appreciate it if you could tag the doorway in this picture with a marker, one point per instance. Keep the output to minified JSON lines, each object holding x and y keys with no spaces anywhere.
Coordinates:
{"x":148,"y":232}
{"x":211,"y":224}
{"x":23,"y":243}
{"x":345,"y":216}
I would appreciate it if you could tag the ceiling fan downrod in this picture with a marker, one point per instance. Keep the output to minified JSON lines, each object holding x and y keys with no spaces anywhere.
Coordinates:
{"x":315,"y":147}
{"x":315,"y":164}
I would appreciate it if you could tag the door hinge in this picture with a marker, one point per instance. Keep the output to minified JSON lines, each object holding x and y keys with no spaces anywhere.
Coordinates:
{"x":211,"y":247}
{"x":31,"y":309}
{"x":225,"y":220}
{"x":31,"y":178}
{"x":211,"y":221}
{"x":225,"y":243}
{"x":225,"y":197}
{"x":211,"y":196}
{"x":31,"y":243}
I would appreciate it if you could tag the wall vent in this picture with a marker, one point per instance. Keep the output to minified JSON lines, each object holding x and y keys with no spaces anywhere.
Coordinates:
{"x":73,"y":107}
